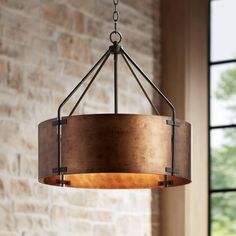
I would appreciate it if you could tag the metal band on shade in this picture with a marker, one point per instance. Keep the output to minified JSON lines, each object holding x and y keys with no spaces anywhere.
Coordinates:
{"x":115,"y":151}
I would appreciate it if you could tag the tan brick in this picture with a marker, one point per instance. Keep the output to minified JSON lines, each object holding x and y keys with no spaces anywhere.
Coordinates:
{"x":80,"y":213}
{"x":2,"y":187}
{"x":102,"y":94}
{"x":15,"y":77}
{"x":46,"y":30}
{"x":31,"y":222}
{"x":12,"y":129}
{"x":41,"y":191}
{"x":11,"y":51}
{"x":44,"y":46}
{"x":79,"y":22}
{"x":23,"y":5}
{"x":20,"y":188}
{"x":36,"y":77}
{"x":33,"y":232}
{"x":11,"y":4}
{"x":74,"y":48}
{"x":101,"y":215}
{"x":91,"y":214}
{"x":104,"y":230}
{"x":26,"y":132}
{"x":17,"y":35}
{"x":5,"y":233}
{"x":87,"y":6}
{"x":141,"y":44}
{"x":151,"y":7}
{"x":28,"y":167}
{"x":14,"y":20}
{"x":84,"y":198}
{"x":9,"y":161}
{"x":58,"y":14}
{"x":3,"y":72}
{"x":129,"y":225}
{"x":104,"y":10}
{"x":6,"y":216}
{"x":96,"y":28}
{"x":31,"y":207}
{"x":81,"y":228}
{"x":75,"y":69}
{"x":139,"y":201}
{"x":143,"y":23}
{"x":91,"y":108}
{"x":110,"y":200}
{"x":58,"y":214}
{"x":99,"y":47}
{"x":59,"y":196}
{"x":12,"y":107}
{"x":52,"y":66}
{"x":1,"y":28}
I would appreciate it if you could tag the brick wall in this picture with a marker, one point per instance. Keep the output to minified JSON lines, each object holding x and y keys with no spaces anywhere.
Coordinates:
{"x":45,"y":49}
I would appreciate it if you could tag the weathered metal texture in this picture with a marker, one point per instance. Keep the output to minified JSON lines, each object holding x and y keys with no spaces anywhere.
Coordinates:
{"x":47,"y":148}
{"x":116,"y":151}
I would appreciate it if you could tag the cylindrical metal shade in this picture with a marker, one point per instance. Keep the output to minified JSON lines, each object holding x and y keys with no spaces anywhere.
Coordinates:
{"x":115,"y":151}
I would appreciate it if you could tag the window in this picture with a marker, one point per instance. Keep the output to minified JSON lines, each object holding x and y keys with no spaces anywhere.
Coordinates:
{"x":222,"y":118}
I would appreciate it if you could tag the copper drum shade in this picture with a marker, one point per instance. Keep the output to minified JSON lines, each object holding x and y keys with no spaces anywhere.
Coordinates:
{"x":115,"y":151}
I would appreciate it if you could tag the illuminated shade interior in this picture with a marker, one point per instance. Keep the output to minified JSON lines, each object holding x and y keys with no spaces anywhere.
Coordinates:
{"x":117,"y":181}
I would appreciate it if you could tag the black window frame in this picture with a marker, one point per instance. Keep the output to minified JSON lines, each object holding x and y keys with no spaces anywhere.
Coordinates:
{"x":210,"y":127}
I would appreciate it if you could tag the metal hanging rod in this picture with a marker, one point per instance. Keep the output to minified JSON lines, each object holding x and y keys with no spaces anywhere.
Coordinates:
{"x":116,"y":49}
{"x":90,"y":83}
{"x":139,"y":83}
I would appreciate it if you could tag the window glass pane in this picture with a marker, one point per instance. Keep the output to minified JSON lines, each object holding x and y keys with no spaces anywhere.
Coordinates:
{"x":223,"y":213}
{"x":223,"y":158}
{"x":223,"y":30}
{"x":223,"y":94}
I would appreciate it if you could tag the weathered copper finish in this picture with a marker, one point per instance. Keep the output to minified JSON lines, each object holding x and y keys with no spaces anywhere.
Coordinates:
{"x":47,"y":148}
{"x":115,"y":151}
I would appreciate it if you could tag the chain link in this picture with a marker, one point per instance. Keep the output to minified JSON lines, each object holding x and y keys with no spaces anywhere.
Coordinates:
{"x":115,"y":2}
{"x":115,"y":14}
{"x":115,"y":17}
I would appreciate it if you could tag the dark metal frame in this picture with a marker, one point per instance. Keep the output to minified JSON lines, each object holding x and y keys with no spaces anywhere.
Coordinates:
{"x":115,"y":49}
{"x":210,"y":128}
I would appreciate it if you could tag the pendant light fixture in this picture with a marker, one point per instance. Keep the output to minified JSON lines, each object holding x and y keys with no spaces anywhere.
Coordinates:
{"x":115,"y":150}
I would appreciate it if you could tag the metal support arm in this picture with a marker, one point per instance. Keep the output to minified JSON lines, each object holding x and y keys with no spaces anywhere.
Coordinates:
{"x":151,"y":83}
{"x":140,"y":85}
{"x":90,"y":83}
{"x":105,"y":55}
{"x":165,"y":99}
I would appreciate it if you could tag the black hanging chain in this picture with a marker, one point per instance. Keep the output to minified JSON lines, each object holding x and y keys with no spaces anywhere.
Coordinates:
{"x":115,"y":15}
{"x":115,"y":33}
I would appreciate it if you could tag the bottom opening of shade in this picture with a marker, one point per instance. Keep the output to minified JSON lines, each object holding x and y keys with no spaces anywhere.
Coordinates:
{"x":115,"y":180}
